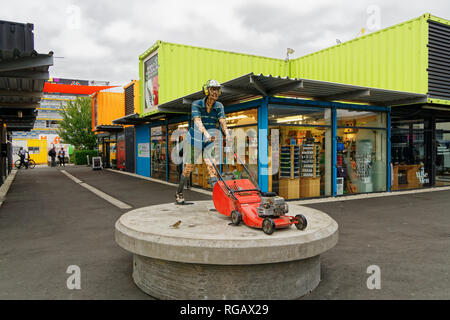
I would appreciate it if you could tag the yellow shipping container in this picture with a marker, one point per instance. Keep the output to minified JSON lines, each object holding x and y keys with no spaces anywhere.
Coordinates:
{"x":37,"y":149}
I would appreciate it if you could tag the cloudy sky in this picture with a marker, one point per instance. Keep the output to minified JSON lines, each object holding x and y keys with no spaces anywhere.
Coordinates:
{"x":101,"y":40}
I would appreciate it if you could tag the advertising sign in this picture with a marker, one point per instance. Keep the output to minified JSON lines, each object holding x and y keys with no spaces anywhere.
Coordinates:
{"x":144,"y":150}
{"x":151,"y":85}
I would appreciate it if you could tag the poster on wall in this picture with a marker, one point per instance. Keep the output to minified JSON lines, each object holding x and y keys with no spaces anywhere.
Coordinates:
{"x":151,"y":85}
{"x":144,"y":150}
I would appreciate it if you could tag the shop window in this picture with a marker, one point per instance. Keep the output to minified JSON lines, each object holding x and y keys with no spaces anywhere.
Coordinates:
{"x":158,"y":152}
{"x":361,"y":160}
{"x":442,"y":153}
{"x":245,"y":144}
{"x":408,"y":156}
{"x":34,"y":150}
{"x":113,"y":154}
{"x":298,"y":115}
{"x":177,"y":133}
{"x":299,"y":151}
{"x":367,"y":119}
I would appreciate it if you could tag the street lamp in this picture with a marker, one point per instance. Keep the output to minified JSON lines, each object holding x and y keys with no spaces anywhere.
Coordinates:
{"x":288,"y":52}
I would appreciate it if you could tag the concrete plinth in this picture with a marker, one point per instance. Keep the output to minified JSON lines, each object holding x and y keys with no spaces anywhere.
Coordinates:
{"x":203,"y":257}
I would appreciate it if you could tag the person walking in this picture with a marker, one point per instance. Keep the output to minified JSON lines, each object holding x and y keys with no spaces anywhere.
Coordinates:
{"x":52,"y":154}
{"x":22,"y":154}
{"x":61,"y":157}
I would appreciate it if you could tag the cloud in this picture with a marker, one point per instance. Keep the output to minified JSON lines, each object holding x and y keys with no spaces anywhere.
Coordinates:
{"x":102,"y":40}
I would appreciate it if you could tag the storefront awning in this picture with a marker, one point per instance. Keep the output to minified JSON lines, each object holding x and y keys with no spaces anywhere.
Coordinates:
{"x":108,"y":128}
{"x":131,"y":119}
{"x":73,"y":89}
{"x":251,"y":86}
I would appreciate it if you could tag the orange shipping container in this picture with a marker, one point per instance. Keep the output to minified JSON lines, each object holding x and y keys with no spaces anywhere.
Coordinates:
{"x":106,"y":107}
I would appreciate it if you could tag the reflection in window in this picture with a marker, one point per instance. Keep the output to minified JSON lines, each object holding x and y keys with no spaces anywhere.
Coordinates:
{"x":352,"y":118}
{"x":158,"y":152}
{"x":361,"y":160}
{"x":442,"y":153}
{"x":408,"y":156}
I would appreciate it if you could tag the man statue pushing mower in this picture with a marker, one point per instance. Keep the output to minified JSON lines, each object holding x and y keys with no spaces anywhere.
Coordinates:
{"x":207,"y":114}
{"x":263,"y":210}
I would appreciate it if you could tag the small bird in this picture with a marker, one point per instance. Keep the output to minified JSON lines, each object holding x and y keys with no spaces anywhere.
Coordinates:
{"x":176,"y":224}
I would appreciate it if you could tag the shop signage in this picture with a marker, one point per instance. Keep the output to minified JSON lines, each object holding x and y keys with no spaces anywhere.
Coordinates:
{"x":151,"y":85}
{"x":144,"y":150}
{"x":422,"y":176}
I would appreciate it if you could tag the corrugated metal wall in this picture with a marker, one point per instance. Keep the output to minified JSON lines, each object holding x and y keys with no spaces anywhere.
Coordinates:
{"x":110,"y":106}
{"x":129,"y":99}
{"x":131,"y":95}
{"x":393,"y":58}
{"x":184,"y":69}
{"x":439,"y":60}
{"x":14,"y":35}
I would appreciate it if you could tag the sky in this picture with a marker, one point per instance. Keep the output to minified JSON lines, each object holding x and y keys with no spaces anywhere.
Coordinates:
{"x":102,"y":40}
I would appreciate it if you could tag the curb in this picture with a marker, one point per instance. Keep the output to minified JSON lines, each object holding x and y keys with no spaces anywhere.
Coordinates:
{"x":209,"y":193}
{"x":6,"y":185}
{"x":368,"y":196}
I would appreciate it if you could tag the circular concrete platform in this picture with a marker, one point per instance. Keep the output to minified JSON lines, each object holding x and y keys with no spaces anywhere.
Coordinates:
{"x":203,"y":257}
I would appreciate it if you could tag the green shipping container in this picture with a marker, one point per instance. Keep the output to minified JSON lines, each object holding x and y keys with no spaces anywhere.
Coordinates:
{"x":169,"y":71}
{"x":412,"y":56}
{"x":402,"y":57}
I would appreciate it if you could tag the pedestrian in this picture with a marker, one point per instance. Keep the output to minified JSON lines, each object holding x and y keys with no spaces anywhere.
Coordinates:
{"x":61,"y":157}
{"x":52,"y":154}
{"x":22,"y":153}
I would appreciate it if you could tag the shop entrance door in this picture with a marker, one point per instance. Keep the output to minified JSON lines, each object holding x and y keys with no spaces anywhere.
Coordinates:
{"x":130,"y":150}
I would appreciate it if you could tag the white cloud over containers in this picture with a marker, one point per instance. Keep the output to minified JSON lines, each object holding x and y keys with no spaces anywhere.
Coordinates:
{"x":112,"y":34}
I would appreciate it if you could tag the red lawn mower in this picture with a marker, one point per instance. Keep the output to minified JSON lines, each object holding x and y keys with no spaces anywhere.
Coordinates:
{"x":240,"y":199}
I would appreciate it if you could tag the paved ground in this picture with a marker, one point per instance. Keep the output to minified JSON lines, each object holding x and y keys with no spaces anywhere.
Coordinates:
{"x":48,"y":222}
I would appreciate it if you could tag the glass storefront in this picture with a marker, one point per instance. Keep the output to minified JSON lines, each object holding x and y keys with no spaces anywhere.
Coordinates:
{"x":245,"y":144}
{"x":361,"y":160}
{"x":442,"y":153}
{"x":408,"y":156}
{"x":361,"y":151}
{"x":177,"y":133}
{"x":299,"y":151}
{"x":158,"y":152}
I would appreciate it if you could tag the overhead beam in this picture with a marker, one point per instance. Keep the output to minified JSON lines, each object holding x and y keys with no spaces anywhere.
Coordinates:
{"x":187,"y":101}
{"x":399,"y":102}
{"x":35,"y":75}
{"x":19,"y":93}
{"x":346,"y":95}
{"x":27,"y":63}
{"x":239,"y":90}
{"x":174,"y":109}
{"x":19,"y":105}
{"x":258,"y":86}
{"x":293,"y":85}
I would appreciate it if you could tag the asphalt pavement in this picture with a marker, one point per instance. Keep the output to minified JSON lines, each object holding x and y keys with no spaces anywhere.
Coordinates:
{"x":48,"y":223}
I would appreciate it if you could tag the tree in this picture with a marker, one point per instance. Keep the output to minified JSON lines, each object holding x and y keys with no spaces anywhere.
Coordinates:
{"x":75,"y":127}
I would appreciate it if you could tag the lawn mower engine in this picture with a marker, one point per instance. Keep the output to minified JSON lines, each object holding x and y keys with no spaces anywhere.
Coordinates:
{"x":272,"y":205}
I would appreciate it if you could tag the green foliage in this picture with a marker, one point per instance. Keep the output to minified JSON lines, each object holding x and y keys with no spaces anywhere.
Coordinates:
{"x":79,"y":156}
{"x":75,"y":127}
